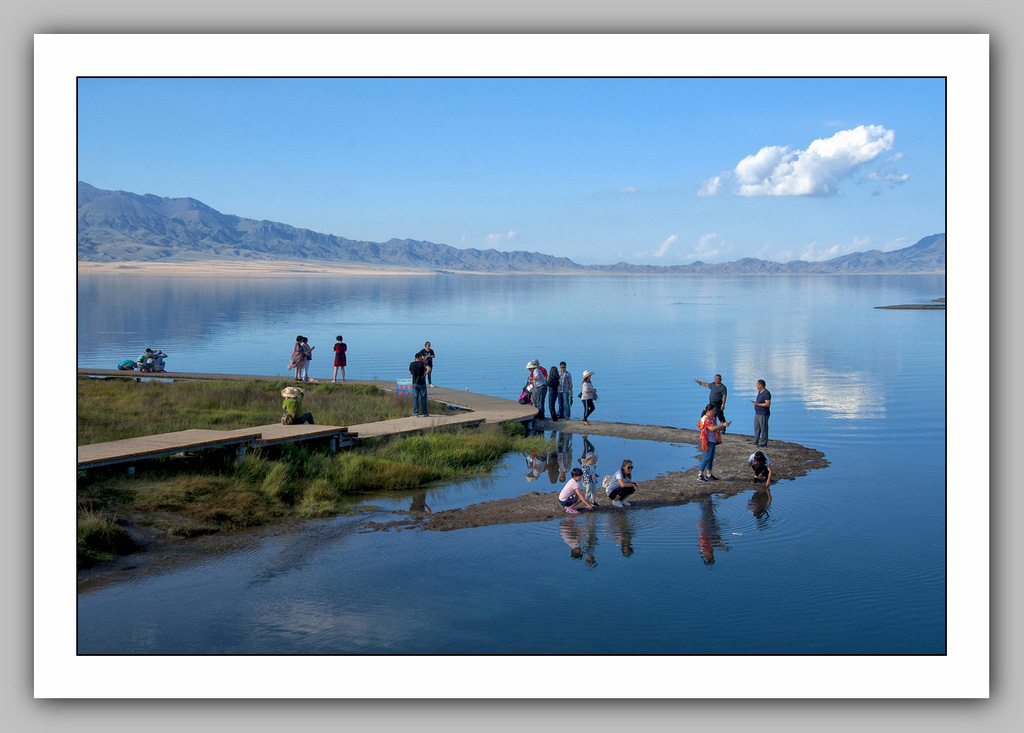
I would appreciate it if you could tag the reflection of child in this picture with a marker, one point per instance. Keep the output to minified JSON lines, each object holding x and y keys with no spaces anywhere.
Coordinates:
{"x":590,"y":477}
{"x":571,"y":494}
{"x":571,"y":536}
{"x":761,"y":467}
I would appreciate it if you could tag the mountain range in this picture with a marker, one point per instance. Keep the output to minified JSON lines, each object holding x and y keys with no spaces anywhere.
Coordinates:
{"x":118,"y":226}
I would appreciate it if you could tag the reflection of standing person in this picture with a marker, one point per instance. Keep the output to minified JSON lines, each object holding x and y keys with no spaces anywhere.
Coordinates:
{"x":418,"y":370}
{"x":588,"y":542}
{"x":340,"y":359}
{"x":564,"y":454}
{"x":428,"y":359}
{"x":571,"y":494}
{"x":717,"y":395}
{"x":622,"y":485}
{"x":536,"y":465}
{"x":540,"y":388}
{"x":552,"y":385}
{"x":564,"y":392}
{"x":709,"y":429}
{"x":419,"y":503}
{"x":588,"y":395}
{"x":762,"y":467}
{"x":298,"y":360}
{"x":709,"y":534}
{"x":762,"y":411}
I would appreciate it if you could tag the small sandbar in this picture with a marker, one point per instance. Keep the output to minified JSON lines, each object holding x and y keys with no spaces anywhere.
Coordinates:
{"x":789,"y":461}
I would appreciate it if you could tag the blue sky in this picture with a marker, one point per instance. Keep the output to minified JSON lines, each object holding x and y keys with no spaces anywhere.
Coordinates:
{"x":645,"y":170}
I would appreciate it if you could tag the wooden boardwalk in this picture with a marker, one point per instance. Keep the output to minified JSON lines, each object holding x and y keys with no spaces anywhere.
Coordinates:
{"x":480,"y":409}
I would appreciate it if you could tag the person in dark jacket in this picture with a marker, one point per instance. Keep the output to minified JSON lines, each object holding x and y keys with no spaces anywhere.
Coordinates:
{"x":553,"y":379}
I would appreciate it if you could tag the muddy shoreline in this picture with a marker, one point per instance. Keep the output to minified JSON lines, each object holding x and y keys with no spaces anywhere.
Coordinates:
{"x":790,"y":461}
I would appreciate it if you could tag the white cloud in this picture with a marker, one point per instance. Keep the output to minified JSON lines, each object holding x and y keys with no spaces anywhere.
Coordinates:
{"x":627,"y":189}
{"x":811,"y":253}
{"x":660,"y":252}
{"x":495,"y":240}
{"x":781,"y":171}
{"x":712,"y":185}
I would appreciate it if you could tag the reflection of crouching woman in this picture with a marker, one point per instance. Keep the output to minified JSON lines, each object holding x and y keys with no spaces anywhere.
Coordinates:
{"x":762,"y":467}
{"x":571,"y":495}
{"x":292,"y":408}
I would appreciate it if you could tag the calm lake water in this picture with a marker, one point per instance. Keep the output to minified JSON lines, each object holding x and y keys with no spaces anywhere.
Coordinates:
{"x":847,"y":560}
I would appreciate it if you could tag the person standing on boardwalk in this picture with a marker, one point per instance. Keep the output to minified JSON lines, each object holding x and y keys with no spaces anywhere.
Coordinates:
{"x":564,"y":392}
{"x":309,"y":357}
{"x":762,"y":411}
{"x":340,"y":349}
{"x":717,"y":395}
{"x":540,"y":388}
{"x":428,"y":360}
{"x":291,"y":410}
{"x":418,"y":370}
{"x":588,"y":395}
{"x":298,"y":360}
{"x":709,"y":429}
{"x":552,"y":383}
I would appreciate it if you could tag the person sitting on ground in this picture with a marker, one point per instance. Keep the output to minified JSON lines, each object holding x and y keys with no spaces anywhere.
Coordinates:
{"x":761,"y":466}
{"x":571,"y":494}
{"x":622,"y":485}
{"x":292,"y":408}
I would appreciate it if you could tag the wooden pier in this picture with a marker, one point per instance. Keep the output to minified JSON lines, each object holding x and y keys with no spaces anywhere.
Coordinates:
{"x":477,"y":408}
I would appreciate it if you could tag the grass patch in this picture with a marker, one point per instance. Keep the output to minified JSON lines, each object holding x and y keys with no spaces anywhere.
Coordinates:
{"x":212,"y":492}
{"x":115,"y":409}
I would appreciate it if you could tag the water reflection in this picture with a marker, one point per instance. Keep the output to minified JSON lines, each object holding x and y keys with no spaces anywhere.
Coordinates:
{"x":709,"y":534}
{"x":759,"y":504}
{"x":588,"y":542}
{"x":570,"y":533}
{"x":622,"y":530}
{"x":419,"y":503}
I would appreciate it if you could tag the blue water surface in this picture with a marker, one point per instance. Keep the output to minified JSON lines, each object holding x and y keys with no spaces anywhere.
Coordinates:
{"x":846,"y":560}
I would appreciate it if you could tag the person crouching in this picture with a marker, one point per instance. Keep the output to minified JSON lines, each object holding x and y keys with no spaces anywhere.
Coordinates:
{"x":762,"y":467}
{"x":571,"y":494}
{"x":292,"y":413}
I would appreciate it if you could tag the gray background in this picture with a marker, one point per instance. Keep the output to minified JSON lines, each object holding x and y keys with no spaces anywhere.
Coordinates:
{"x":24,"y":18}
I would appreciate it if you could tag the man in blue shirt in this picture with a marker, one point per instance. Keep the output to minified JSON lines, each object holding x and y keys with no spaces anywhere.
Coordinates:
{"x":762,"y":409}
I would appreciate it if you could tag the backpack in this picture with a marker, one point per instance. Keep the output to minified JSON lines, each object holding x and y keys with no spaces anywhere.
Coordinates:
{"x":287,"y":419}
{"x":607,"y":481}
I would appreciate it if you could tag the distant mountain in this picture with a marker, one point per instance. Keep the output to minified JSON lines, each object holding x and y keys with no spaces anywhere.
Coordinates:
{"x":118,"y":226}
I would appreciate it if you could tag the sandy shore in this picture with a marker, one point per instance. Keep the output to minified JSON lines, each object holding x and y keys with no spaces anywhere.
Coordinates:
{"x":242,"y":268}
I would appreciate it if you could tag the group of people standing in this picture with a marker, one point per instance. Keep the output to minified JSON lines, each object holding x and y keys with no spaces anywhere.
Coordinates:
{"x":420,"y":370}
{"x":553,"y":388}
{"x":302,"y":354}
{"x":712,"y":425}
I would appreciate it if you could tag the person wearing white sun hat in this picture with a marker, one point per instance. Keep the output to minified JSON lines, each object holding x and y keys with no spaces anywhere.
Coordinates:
{"x":588,"y":395}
